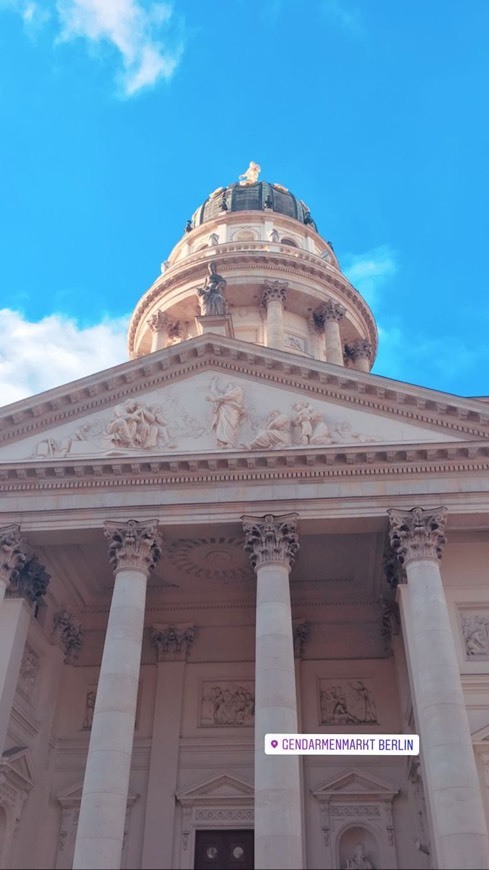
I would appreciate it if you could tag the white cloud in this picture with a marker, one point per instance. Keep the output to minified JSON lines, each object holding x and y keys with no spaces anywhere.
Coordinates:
{"x":369,"y":272}
{"x":141,"y":34}
{"x":146,"y":35}
{"x":39,"y":355}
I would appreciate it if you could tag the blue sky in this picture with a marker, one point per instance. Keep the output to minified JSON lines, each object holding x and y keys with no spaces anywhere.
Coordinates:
{"x":118,"y":117}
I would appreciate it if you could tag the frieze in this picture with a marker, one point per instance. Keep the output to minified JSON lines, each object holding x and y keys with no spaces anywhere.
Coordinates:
{"x":227,"y":704}
{"x":347,"y":702}
{"x":355,"y":811}
{"x":354,"y":462}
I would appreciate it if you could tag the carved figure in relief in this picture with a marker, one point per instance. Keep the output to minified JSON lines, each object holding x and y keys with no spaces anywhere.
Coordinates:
{"x":348,"y":704}
{"x":251,"y":174}
{"x":344,"y":432}
{"x":274,"y":236}
{"x":89,"y":709}
{"x":227,"y":412}
{"x":275,"y":434}
{"x":359,"y":860}
{"x":223,"y":706}
{"x":52,"y":447}
{"x":135,"y":425}
{"x":476,"y":635}
{"x":212,"y":299}
{"x":28,"y":672}
{"x":310,"y":428}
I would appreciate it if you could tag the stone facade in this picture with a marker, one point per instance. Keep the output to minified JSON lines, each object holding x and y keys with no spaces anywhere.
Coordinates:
{"x":242,"y":530}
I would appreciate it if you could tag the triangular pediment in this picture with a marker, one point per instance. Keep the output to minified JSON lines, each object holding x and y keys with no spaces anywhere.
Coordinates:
{"x":222,"y":787}
{"x":17,"y":765}
{"x":221,"y":395}
{"x":352,"y":784}
{"x":481,"y":735}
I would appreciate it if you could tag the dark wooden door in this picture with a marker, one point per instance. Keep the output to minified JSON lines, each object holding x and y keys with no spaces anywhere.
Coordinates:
{"x":224,"y":850}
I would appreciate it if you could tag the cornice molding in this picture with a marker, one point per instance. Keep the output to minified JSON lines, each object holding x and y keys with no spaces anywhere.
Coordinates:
{"x":292,"y":464}
{"x":311,"y":377}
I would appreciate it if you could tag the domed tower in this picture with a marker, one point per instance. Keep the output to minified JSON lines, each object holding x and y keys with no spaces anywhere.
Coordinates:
{"x":252,"y":265}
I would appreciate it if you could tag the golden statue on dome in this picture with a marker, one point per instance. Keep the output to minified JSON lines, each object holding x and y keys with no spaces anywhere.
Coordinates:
{"x":251,"y":174}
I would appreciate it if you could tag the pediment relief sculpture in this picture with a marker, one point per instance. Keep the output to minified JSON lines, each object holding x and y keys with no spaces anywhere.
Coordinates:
{"x":209,"y":411}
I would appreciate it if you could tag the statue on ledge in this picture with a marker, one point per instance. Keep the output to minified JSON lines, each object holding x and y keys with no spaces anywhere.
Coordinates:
{"x":212,"y":299}
{"x":251,"y":174}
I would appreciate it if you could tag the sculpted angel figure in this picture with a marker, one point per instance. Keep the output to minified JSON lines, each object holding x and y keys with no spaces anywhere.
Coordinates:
{"x":212,"y":299}
{"x":251,"y":174}
{"x":227,"y":410}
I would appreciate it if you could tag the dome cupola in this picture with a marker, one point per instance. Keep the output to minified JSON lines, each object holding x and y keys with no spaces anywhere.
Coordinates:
{"x":251,"y":265}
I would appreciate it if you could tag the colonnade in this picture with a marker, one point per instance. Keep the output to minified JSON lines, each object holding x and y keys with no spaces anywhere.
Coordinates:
{"x":459,"y":833}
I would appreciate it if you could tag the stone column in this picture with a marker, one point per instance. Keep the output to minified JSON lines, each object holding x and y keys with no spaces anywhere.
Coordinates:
{"x":173,"y":644}
{"x":273,"y":299}
{"x":328,"y":317}
{"x":361,"y":354}
{"x":452,"y":785}
{"x":134,"y":549}
{"x":272,"y":543}
{"x":160,"y":327}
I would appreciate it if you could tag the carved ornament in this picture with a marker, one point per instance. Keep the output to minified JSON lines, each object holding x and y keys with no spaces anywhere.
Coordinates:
{"x":361,"y":349}
{"x":271,"y":539}
{"x":417,"y":533}
{"x":330,"y":310}
{"x":227,"y":705}
{"x":274,"y":291}
{"x":30,"y":581}
{"x":172,"y":641}
{"x":133,"y":545}
{"x":14,"y":552}
{"x":69,"y":632}
{"x":475,"y":630}
{"x":158,"y":321}
{"x":347,"y":702}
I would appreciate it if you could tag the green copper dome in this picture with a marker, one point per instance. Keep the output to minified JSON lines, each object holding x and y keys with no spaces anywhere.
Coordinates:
{"x":261,"y":196}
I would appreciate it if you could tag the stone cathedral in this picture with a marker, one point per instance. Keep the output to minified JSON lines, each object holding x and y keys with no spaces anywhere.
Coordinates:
{"x":241,"y":531}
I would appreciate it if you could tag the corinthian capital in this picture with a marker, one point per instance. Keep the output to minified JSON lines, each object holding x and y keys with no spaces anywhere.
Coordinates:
{"x":271,"y":539}
{"x":418,"y":533}
{"x":14,"y":553}
{"x":158,"y":321}
{"x":330,"y":310}
{"x":133,"y":545}
{"x":274,"y":291}
{"x":361,"y":349}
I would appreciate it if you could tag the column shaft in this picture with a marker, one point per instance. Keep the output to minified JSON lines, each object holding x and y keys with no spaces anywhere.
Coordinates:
{"x":15,"y":617}
{"x":451,"y":780}
{"x":275,"y":324}
{"x":332,"y":337}
{"x":159,"y":339}
{"x":278,"y":824}
{"x":163,"y":767}
{"x":105,"y":789}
